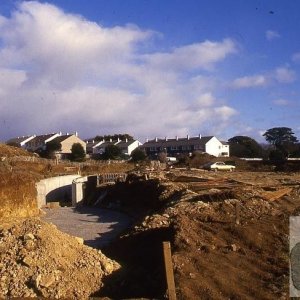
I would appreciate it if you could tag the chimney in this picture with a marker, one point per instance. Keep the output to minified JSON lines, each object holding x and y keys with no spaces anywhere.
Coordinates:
{"x":156,"y":140}
{"x":76,"y":133}
{"x":118,"y":139}
{"x":166,"y":138}
{"x":110,"y":139}
{"x":60,"y":133}
{"x":126,"y":140}
{"x":200,"y":136}
{"x":176,"y":137}
{"x":147,"y":140}
{"x":93,"y":141}
{"x":187,"y":137}
{"x":67,"y":133}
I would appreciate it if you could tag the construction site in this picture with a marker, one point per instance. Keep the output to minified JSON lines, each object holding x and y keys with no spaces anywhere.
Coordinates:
{"x":228,"y":232}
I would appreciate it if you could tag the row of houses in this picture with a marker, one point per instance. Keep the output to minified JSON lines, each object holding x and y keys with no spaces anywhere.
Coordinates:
{"x":173,"y":147}
{"x":35,"y":143}
{"x":208,"y":144}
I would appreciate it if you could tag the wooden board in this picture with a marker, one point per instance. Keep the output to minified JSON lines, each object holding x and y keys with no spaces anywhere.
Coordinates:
{"x":169,"y":271}
{"x":271,"y":196}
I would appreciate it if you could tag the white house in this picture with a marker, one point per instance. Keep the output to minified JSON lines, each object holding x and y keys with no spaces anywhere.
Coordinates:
{"x":40,"y":141}
{"x":128,"y":146}
{"x":208,"y":144}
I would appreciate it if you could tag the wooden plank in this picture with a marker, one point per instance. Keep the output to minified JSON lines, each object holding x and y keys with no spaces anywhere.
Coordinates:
{"x":169,"y":271}
{"x":271,"y":196}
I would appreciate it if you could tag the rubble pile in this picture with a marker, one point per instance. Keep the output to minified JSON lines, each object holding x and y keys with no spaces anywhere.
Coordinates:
{"x":37,"y":260}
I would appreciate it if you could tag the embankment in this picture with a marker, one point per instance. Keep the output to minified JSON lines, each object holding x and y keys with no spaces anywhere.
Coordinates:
{"x":17,"y":196}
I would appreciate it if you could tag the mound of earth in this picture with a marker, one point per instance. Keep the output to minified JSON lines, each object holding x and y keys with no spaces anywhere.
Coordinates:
{"x":9,"y":151}
{"x":37,"y":260}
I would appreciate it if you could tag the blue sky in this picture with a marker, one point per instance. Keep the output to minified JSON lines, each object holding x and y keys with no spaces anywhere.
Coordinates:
{"x":149,"y":68}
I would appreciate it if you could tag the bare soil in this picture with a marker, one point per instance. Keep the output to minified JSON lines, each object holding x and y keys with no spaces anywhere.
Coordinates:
{"x":229,"y":236}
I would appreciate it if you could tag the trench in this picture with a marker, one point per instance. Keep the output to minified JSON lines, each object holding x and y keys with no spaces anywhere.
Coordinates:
{"x":107,"y":225}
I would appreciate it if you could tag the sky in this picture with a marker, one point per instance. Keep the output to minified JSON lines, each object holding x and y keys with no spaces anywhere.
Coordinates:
{"x":150,"y":68}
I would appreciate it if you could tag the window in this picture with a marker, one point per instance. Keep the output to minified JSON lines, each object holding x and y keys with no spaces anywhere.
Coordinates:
{"x":152,"y":148}
{"x":174,"y":148}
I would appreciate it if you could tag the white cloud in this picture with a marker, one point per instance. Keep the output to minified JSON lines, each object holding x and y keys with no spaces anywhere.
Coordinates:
{"x":279,"y":75}
{"x":271,"y":35}
{"x":196,"y":56}
{"x":250,"y":81}
{"x":296,"y":57}
{"x":285,"y":75}
{"x":281,"y":102}
{"x":63,"y":72}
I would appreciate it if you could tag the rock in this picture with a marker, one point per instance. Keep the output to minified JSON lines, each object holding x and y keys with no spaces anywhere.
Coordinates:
{"x":30,"y":245}
{"x":107,"y":266}
{"x":47,"y":280}
{"x":233,"y":247}
{"x":79,"y":240}
{"x":28,"y":261}
{"x":28,"y":236}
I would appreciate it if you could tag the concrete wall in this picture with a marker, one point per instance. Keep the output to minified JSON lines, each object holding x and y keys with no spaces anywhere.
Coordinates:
{"x":77,"y":189}
{"x":56,"y":188}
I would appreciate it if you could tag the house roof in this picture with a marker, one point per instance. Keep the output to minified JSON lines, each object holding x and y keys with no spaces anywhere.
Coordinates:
{"x":178,"y":142}
{"x":18,"y":139}
{"x":42,"y":138}
{"x":61,"y":138}
{"x":105,"y":144}
{"x":124,"y":144}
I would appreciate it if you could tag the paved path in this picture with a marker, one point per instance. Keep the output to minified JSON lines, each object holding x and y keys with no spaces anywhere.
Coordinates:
{"x":96,"y":226}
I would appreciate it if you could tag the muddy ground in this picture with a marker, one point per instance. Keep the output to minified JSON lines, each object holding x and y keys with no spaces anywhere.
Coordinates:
{"x":228,"y":232}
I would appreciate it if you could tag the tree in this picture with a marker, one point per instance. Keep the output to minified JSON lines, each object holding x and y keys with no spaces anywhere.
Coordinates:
{"x":112,"y":152}
{"x":77,"y":152}
{"x":138,"y":155}
{"x":51,"y":147}
{"x":244,"y":146}
{"x":281,"y":137}
{"x":114,"y":137}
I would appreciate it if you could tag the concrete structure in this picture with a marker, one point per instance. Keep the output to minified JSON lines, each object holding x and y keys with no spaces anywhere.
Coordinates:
{"x":208,"y":144}
{"x":54,"y":189}
{"x":77,"y":189}
{"x":83,"y":186}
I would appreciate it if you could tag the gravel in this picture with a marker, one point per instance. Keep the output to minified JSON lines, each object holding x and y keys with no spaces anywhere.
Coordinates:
{"x":96,"y":226}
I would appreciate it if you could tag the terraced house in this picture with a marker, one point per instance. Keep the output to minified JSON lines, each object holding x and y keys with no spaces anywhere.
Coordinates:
{"x":208,"y":144}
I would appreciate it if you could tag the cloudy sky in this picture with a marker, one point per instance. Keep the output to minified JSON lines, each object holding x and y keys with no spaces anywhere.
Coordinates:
{"x":149,"y":68}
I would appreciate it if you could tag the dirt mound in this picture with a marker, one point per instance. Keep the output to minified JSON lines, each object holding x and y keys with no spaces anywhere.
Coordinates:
{"x":9,"y":151}
{"x":37,"y":260}
{"x":17,"y":195}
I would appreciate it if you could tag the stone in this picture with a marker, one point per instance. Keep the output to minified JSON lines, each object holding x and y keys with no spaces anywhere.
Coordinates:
{"x":107,"y":267}
{"x":28,"y":236}
{"x":47,"y":280}
{"x":28,"y":261}
{"x":79,"y":240}
{"x":233,"y":247}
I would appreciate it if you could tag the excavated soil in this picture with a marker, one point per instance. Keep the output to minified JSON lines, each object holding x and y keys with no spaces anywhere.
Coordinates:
{"x":37,"y":260}
{"x":219,"y":252}
{"x":228,"y":233}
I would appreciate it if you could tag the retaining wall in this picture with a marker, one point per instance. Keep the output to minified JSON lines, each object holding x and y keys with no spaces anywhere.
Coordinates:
{"x":54,"y":189}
